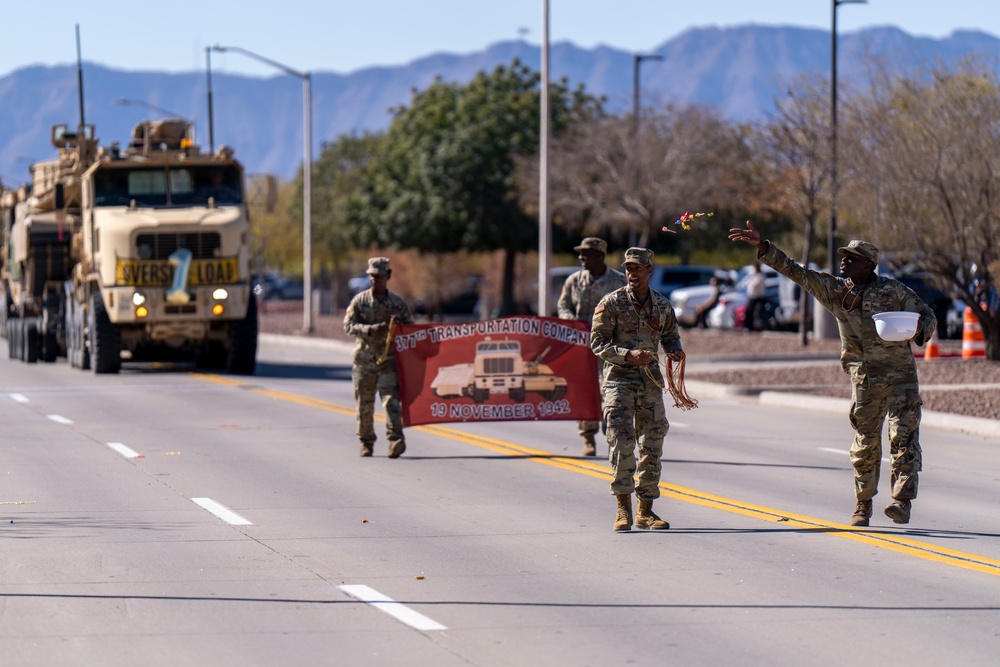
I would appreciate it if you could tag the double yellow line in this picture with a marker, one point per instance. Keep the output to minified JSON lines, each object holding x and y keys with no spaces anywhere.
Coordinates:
{"x":882,"y":540}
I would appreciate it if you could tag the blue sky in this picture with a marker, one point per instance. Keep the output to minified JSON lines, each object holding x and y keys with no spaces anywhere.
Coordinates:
{"x":347,"y":35}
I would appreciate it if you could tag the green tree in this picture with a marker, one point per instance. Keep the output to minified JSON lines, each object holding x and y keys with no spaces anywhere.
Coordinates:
{"x":443,"y":177}
{"x":338,"y":174}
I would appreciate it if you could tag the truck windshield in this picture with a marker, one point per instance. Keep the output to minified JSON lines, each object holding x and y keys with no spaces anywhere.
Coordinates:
{"x":158,"y":188}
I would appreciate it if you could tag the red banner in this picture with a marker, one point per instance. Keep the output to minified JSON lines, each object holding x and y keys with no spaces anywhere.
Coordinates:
{"x":506,"y":369}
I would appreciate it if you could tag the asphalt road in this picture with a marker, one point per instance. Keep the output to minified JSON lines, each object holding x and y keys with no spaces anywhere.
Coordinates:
{"x":164,"y":517}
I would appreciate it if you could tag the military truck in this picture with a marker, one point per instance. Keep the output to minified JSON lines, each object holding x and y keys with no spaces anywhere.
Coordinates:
{"x":498,"y":369}
{"x":139,"y":253}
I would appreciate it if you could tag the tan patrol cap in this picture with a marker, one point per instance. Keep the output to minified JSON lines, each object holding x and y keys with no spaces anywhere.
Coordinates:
{"x":862,"y":249}
{"x":642,"y":256}
{"x":378,"y":266}
{"x":593,"y":243}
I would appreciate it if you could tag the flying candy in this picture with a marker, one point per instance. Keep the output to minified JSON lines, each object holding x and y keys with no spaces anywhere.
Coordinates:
{"x":685,"y":221}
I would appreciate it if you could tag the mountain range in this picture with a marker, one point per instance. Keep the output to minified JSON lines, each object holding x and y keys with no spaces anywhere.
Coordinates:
{"x":739,"y":71}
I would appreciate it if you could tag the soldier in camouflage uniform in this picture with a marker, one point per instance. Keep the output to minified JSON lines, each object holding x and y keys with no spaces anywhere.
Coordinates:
{"x":630,"y":324}
{"x":883,"y":373}
{"x":580,"y":294}
{"x":369,"y":318}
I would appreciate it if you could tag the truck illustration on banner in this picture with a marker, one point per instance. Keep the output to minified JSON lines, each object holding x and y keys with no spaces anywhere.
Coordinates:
{"x":498,"y":368}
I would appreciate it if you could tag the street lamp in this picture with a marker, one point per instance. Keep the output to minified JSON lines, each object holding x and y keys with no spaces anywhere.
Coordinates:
{"x":307,"y":315}
{"x":832,"y":241}
{"x":636,"y":61}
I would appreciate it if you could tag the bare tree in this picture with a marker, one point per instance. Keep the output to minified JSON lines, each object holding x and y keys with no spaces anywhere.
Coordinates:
{"x":607,"y":178}
{"x":794,"y":151}
{"x":926,"y":149}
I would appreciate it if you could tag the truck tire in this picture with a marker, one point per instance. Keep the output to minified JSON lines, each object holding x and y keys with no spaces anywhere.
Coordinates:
{"x":211,"y":356}
{"x":104,"y":339}
{"x":480,"y":395}
{"x":242,"y":357}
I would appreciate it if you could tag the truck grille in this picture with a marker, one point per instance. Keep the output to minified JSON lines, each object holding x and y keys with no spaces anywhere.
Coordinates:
{"x":203,"y":245}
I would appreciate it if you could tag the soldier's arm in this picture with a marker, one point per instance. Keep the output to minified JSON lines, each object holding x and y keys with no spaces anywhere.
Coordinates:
{"x":927,"y":324}
{"x":601,"y":331}
{"x":823,"y":286}
{"x":670,"y":337}
{"x":405,"y":316}
{"x":567,"y":311}
{"x":352,"y":321}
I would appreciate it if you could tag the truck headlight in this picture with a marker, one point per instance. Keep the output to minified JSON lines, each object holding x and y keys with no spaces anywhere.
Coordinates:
{"x":138,"y":298}
{"x":220,"y":294}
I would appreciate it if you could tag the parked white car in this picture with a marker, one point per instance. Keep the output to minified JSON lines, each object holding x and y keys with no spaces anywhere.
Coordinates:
{"x":687,"y":300}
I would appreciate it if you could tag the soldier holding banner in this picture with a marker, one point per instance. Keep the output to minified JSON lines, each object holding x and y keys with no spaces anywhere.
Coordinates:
{"x":370,"y":318}
{"x":630,"y":324}
{"x":580,"y":295}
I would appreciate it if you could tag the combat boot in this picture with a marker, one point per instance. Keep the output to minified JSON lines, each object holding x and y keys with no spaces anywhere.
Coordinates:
{"x":396,"y":449}
{"x":589,"y":445}
{"x":899,"y":511}
{"x":623,"y":520}
{"x":645,"y":518}
{"x":366,"y":449}
{"x":862,"y":512}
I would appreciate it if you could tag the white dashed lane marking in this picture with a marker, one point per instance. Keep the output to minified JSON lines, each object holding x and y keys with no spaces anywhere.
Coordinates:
{"x":399,"y":611}
{"x":124,"y":451}
{"x":221,"y":511}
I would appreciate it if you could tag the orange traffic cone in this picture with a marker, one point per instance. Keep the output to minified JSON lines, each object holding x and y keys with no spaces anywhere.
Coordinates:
{"x":973,"y":345}
{"x":932,"y":351}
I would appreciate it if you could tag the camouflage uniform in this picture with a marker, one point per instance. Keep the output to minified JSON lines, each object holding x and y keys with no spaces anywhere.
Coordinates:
{"x":580,"y":294}
{"x":633,"y":400}
{"x":883,"y":373}
{"x":368,"y":376}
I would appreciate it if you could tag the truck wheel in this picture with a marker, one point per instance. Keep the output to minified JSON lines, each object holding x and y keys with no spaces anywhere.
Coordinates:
{"x":480,"y":395}
{"x":211,"y":356}
{"x":242,"y":357}
{"x":104,"y":339}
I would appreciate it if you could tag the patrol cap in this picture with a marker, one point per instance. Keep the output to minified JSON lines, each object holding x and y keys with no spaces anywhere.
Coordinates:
{"x":593,"y":243}
{"x":378,"y":266}
{"x":862,"y":249}
{"x":642,"y":256}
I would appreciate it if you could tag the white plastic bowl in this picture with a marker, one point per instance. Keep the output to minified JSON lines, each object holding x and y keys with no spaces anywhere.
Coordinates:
{"x":896,"y":326}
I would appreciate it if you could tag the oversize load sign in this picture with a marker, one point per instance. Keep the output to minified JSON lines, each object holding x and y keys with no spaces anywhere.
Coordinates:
{"x":160,"y":273}
{"x":506,"y":369}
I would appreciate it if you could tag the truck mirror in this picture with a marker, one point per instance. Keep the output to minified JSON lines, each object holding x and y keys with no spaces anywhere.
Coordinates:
{"x":60,"y":197}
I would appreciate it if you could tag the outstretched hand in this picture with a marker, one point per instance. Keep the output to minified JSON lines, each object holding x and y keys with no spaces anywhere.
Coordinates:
{"x":748,"y":235}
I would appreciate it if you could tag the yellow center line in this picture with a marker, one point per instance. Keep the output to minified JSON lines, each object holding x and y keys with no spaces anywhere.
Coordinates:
{"x":889,"y":541}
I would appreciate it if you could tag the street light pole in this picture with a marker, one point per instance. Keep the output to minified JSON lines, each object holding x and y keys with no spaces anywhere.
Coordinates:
{"x":544,"y":224}
{"x":832,"y":240}
{"x":636,"y":62}
{"x":636,"y":109}
{"x":211,"y":121}
{"x":307,"y":314}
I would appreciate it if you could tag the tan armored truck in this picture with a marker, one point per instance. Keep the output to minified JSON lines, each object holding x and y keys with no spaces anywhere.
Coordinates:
{"x":140,"y":254}
{"x":498,"y":369}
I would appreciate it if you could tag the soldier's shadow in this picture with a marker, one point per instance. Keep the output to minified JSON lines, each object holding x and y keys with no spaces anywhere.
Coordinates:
{"x":304,"y":371}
